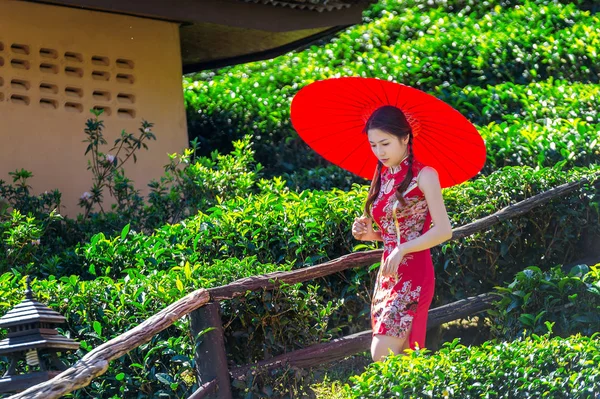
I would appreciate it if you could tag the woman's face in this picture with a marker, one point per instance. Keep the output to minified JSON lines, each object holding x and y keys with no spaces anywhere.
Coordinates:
{"x":389,"y":149}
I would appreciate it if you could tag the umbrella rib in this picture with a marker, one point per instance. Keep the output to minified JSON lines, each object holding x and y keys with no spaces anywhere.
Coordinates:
{"x":351,"y":95}
{"x":337,"y":109}
{"x":384,"y":91}
{"x":371,"y":90}
{"x":467,"y":140}
{"x":347,"y":155}
{"x":435,"y":122}
{"x":363,"y":167}
{"x":348,"y":120}
{"x":325,"y":125}
{"x":432,"y":144}
{"x":459,"y":166}
{"x":426,"y":102}
{"x":353,"y":101}
{"x":397,"y":96}
{"x":331,"y":135}
{"x":442,"y":165}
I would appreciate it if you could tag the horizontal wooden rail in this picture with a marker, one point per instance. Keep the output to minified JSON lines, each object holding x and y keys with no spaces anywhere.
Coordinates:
{"x":340,"y":348}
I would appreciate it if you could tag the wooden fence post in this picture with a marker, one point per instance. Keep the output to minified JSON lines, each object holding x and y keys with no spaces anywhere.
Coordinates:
{"x":211,"y":359}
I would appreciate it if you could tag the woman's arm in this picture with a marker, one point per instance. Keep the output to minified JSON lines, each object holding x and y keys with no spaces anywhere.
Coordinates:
{"x":429,"y":183}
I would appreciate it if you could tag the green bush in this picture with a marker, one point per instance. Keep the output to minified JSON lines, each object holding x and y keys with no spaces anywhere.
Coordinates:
{"x":36,"y":239}
{"x":570,"y":301}
{"x":278,"y":225}
{"x":313,"y":226}
{"x":531,"y":367}
{"x":258,"y":325}
{"x":537,"y":102}
{"x":430,"y":49}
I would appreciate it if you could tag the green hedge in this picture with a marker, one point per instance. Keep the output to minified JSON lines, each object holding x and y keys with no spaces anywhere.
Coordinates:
{"x":538,"y":124}
{"x":264,"y":324}
{"x":313,"y":226}
{"x":531,"y":367}
{"x":257,"y":325}
{"x":536,"y":102}
{"x":569,"y":300}
{"x":524,"y":44}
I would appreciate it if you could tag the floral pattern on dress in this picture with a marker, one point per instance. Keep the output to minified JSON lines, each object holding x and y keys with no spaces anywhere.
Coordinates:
{"x":411,"y":217}
{"x":395,"y":313}
{"x":396,"y":298}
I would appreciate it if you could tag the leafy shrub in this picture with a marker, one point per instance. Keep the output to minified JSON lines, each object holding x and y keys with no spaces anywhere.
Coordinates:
{"x":191,"y":184}
{"x":313,"y":226}
{"x":258,"y":325}
{"x":537,"y":102}
{"x":531,"y":367}
{"x":570,"y":301}
{"x":424,"y":47}
{"x":101,"y":309}
{"x":466,"y":267}
{"x":36,"y":239}
{"x":107,"y":169}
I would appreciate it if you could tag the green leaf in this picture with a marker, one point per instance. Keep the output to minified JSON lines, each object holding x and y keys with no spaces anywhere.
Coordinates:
{"x":97,"y":327}
{"x":164,"y":378}
{"x":124,"y":231}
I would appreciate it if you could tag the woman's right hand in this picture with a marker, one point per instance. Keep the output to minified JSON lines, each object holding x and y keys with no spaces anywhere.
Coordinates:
{"x":362,"y":228}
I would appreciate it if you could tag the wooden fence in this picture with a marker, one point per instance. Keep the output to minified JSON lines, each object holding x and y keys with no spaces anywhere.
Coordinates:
{"x":214,"y":377}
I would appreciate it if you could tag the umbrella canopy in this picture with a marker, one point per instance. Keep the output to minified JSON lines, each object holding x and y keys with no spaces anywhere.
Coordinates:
{"x":330,"y":116}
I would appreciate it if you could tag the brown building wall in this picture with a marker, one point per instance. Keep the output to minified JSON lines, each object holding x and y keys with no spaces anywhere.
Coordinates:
{"x":56,"y":63}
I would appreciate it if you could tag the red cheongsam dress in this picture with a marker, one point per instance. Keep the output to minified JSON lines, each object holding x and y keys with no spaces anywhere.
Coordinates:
{"x":400,"y":303}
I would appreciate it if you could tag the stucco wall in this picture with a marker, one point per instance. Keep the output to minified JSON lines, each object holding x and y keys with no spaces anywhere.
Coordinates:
{"x":56,"y":63}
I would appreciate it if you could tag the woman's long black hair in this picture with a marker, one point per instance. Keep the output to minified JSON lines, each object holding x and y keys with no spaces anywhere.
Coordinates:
{"x":391,"y":120}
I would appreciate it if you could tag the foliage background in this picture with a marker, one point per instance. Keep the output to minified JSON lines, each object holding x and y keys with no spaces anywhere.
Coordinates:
{"x":249,"y":198}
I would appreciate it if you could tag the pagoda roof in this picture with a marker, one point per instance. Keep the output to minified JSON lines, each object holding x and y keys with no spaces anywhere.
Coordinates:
{"x":29,"y":311}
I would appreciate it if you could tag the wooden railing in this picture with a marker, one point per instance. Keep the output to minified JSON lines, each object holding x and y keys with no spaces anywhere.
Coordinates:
{"x":203,"y":307}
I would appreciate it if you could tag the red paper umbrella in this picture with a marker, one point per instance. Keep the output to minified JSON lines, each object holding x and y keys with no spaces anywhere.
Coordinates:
{"x":330,"y":116}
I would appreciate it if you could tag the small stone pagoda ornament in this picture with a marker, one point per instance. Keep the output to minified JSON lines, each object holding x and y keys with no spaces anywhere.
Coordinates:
{"x":32,"y":337}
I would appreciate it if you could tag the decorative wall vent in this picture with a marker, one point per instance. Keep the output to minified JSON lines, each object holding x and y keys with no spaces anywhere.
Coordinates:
{"x":19,"y":63}
{"x":49,"y":68}
{"x":48,"y":53}
{"x":98,"y":60}
{"x":19,"y":84}
{"x":56,"y":79}
{"x":48,"y":88}
{"x":75,"y":92}
{"x":20,"y":49}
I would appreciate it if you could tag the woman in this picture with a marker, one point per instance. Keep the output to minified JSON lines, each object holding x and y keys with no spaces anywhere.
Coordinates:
{"x":411,"y":190}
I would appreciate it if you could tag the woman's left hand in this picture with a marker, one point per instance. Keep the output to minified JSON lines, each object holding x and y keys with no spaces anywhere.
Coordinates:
{"x":390,"y":265}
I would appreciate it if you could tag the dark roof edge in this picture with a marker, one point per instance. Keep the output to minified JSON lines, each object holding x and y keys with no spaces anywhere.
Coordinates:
{"x":263,"y":55}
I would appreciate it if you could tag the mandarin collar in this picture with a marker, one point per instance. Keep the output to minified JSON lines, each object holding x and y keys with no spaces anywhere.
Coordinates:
{"x":398,"y":168}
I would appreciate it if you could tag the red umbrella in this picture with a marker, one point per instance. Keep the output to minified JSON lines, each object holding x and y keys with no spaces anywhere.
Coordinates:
{"x":330,"y":116}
